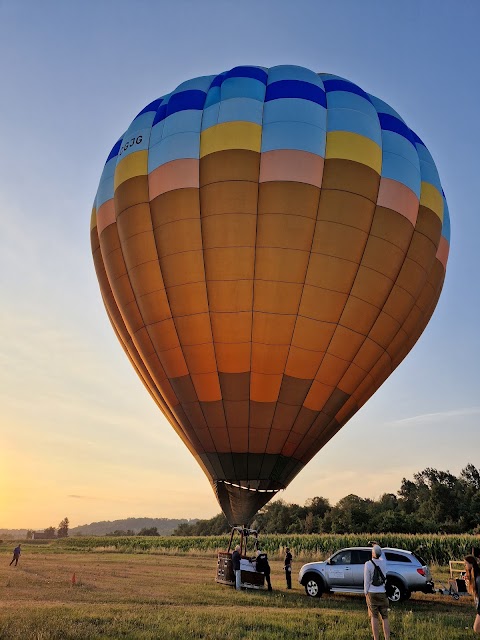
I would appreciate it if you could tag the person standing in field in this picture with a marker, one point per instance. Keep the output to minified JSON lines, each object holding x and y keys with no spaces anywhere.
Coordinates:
{"x":472,"y":578}
{"x":374,"y":579}
{"x":236,"y":567}
{"x":287,"y":565}
{"x":262,"y":565}
{"x":16,"y":555}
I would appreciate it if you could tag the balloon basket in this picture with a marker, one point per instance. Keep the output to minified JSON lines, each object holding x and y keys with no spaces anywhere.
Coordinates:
{"x":250,"y":578}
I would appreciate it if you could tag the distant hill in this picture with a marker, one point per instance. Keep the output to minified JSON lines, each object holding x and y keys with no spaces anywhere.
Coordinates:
{"x":165,"y":526}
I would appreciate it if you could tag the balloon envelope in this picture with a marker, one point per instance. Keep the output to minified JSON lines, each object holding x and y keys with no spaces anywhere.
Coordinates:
{"x":270,"y":244}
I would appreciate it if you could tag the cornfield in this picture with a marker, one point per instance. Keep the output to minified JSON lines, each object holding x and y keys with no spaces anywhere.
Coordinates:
{"x":434,"y":549}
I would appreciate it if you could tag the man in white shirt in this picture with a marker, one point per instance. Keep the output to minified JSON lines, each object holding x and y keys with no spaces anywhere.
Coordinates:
{"x":236,"y":558}
{"x":375,"y":593}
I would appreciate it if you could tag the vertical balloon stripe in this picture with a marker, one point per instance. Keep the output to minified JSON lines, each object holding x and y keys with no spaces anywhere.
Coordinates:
{"x":446,"y":221}
{"x":420,"y":313}
{"x":383,"y":260}
{"x":431,"y":294}
{"x":409,"y":284}
{"x":370,"y":355}
{"x":106,"y":189}
{"x":345,"y":340}
{"x":123,"y":295}
{"x":179,"y":248}
{"x":168,"y":403}
{"x":228,"y":215}
{"x":140,"y":251}
{"x":180,"y":240}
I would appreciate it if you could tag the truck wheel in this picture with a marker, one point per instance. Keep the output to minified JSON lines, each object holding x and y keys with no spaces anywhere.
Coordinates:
{"x":396,"y":591}
{"x":313,"y":587}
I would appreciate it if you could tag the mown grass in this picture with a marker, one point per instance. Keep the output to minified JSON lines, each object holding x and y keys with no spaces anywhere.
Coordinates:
{"x":156,"y":597}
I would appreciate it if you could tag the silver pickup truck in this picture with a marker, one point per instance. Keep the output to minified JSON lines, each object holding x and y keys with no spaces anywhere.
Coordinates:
{"x":343,"y":573}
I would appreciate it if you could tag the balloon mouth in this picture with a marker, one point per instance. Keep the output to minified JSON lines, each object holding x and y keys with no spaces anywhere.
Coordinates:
{"x":239,"y":486}
{"x":240,"y":502}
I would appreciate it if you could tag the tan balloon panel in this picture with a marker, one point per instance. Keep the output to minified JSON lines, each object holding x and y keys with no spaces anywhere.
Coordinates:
{"x":264,"y":292}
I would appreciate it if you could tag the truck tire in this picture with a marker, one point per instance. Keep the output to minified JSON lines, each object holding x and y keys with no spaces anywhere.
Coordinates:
{"x":396,"y":591}
{"x":313,"y":586}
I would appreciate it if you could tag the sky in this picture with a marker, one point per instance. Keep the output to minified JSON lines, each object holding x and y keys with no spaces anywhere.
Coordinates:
{"x":79,"y":435}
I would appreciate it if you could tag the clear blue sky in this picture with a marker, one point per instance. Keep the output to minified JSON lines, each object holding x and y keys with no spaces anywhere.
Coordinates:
{"x":79,"y":434}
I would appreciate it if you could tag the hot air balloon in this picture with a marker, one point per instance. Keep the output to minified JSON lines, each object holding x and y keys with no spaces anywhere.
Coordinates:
{"x":270,"y":244}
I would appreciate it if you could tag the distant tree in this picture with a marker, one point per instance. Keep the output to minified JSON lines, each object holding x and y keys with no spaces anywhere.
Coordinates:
{"x":277,"y":517}
{"x":409,"y":496}
{"x":309,"y":522}
{"x":121,"y":533}
{"x":50,"y":532}
{"x":152,"y":531}
{"x":439,"y":500}
{"x":470,"y":476}
{"x":470,"y":498}
{"x":183,"y":529}
{"x":351,"y":515}
{"x":29,"y":534}
{"x":388,"y":501}
{"x":213,"y":527}
{"x":318,"y":506}
{"x":63,"y":528}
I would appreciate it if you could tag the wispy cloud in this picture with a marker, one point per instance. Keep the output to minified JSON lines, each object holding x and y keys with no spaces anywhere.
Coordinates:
{"x":439,"y":416}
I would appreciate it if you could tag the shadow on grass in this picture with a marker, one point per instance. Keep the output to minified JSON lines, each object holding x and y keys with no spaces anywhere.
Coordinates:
{"x":355,"y":602}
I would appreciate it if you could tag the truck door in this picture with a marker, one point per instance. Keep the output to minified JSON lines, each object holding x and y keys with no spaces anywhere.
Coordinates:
{"x":339,"y":570}
{"x":359,"y":558}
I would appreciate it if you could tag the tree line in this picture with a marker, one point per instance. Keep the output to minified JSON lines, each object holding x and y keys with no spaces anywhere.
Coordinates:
{"x":433,"y":502}
{"x":51,"y":532}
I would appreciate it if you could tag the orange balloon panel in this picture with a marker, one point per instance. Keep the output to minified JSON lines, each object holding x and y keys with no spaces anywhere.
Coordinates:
{"x":266,"y":267}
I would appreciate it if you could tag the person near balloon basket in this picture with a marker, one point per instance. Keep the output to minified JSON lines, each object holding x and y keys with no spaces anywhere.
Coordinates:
{"x":472,"y":578}
{"x":262,"y":565}
{"x":287,"y":566}
{"x":374,"y":579}
{"x":236,"y":556}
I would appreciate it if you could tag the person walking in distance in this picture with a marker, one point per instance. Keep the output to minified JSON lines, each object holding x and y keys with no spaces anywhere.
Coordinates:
{"x":16,"y":555}
{"x":472,"y":579}
{"x":374,"y":579}
{"x":236,"y":556}
{"x":287,"y":566}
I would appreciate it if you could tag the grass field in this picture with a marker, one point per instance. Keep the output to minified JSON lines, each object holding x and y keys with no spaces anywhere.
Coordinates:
{"x":147,"y":597}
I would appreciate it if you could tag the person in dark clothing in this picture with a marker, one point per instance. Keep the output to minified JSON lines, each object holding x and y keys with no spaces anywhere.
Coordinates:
{"x":472,"y":577}
{"x":261,"y":565}
{"x":287,"y":566}
{"x":236,"y":556}
{"x":16,"y":555}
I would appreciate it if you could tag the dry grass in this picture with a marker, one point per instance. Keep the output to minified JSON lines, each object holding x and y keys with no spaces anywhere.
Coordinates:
{"x":154,"y":597}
